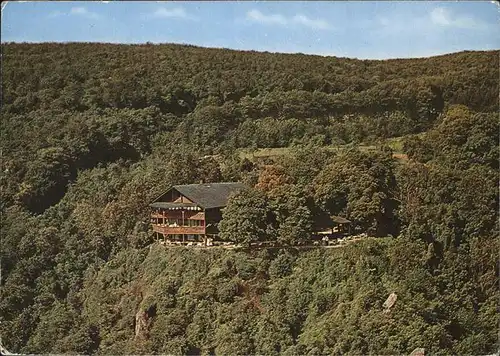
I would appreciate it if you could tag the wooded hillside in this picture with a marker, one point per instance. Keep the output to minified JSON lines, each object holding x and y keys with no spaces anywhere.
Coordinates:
{"x":91,"y":133}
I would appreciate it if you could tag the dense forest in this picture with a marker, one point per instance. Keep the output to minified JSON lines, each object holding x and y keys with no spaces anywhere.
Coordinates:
{"x":91,"y":133}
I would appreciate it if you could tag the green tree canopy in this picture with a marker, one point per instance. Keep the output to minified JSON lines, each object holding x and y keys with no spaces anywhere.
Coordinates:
{"x":245,"y":219}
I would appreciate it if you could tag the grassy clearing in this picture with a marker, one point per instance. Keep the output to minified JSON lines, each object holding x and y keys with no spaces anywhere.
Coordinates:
{"x":395,"y":143}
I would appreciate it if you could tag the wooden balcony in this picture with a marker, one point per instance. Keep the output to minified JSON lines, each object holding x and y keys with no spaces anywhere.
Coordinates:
{"x":179,"y":230}
{"x":193,"y":215}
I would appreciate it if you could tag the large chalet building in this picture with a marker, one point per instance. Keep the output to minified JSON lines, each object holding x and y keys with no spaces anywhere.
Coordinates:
{"x":190,"y":213}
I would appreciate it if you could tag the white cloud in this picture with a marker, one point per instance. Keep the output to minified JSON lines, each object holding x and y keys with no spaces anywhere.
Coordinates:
{"x":278,"y":19}
{"x":306,"y":21}
{"x":81,"y":11}
{"x":174,"y":13}
{"x":434,"y":31}
{"x":426,"y":24}
{"x":76,"y":11}
{"x":441,"y":16}
{"x":256,"y":15}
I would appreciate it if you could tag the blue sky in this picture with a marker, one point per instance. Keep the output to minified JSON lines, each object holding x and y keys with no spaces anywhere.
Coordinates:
{"x":376,"y":30}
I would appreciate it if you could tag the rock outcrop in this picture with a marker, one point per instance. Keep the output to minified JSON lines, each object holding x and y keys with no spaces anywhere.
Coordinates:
{"x":389,"y":303}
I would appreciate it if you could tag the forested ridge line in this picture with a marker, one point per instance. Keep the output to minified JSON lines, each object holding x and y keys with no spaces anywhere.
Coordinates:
{"x":87,"y":75}
{"x":92,"y":133}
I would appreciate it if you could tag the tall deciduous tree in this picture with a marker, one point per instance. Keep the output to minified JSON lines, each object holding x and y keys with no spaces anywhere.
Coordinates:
{"x":361,"y":186}
{"x":245,"y":219}
{"x":293,"y":217}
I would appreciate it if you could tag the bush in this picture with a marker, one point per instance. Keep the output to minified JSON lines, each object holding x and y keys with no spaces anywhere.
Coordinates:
{"x":282,"y":266}
{"x":226,"y":292}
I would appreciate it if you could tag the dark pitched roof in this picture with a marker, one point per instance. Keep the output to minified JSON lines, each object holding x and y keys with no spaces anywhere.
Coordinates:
{"x":209,"y":195}
{"x":340,"y":220}
{"x":325,"y":221}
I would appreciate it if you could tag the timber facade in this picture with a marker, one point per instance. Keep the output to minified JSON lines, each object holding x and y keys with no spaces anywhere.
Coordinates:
{"x":190,"y":214}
